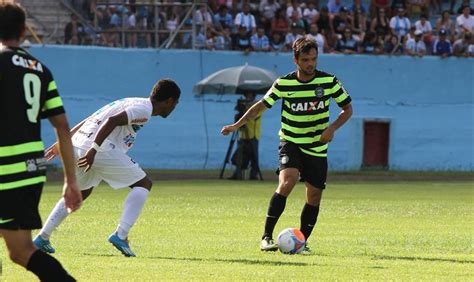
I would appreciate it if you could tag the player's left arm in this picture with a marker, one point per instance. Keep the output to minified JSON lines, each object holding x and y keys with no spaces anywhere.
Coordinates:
{"x":112,"y":122}
{"x":343,"y":100}
{"x":343,"y":117}
{"x":71,"y":193}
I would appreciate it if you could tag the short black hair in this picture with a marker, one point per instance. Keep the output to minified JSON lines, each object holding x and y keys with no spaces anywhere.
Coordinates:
{"x":304,"y":45}
{"x":164,"y":89}
{"x":12,"y":21}
{"x":222,"y":8}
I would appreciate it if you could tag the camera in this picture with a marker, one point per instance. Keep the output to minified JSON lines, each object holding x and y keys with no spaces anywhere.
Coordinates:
{"x":241,"y":108}
{"x":243,"y":104}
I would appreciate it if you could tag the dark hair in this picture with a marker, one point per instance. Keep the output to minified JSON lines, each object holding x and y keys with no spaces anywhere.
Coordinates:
{"x":222,"y":8}
{"x":12,"y":21}
{"x":277,"y":13}
{"x":445,"y":12}
{"x":164,"y":89}
{"x":304,"y":45}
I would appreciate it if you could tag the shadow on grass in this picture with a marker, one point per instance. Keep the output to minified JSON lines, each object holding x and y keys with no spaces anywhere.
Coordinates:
{"x":424,"y":259}
{"x":102,"y":255}
{"x":243,"y":261}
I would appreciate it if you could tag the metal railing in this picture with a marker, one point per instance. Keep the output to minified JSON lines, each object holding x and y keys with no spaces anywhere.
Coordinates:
{"x":154,"y":26}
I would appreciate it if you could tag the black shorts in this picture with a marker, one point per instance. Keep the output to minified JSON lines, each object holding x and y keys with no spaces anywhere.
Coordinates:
{"x":312,"y":169}
{"x":19,"y":208}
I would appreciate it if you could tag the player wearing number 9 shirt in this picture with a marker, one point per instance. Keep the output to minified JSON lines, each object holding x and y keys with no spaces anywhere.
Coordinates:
{"x":27,"y":94}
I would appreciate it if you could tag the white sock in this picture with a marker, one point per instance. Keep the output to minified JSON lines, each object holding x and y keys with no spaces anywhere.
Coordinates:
{"x":57,"y":215}
{"x":132,"y":209}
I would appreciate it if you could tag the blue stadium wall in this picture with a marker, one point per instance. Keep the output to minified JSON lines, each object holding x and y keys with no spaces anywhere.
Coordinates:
{"x":428,"y":101}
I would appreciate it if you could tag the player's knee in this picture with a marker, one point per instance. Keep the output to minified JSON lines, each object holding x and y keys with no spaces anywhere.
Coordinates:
{"x":20,"y":256}
{"x":14,"y":256}
{"x":286,"y":185}
{"x":289,"y":182}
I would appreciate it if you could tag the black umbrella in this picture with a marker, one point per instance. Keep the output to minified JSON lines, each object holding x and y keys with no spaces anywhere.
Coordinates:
{"x":236,"y":80}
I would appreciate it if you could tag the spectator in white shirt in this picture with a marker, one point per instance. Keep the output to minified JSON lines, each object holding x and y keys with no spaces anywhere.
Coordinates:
{"x":245,"y":18}
{"x":400,"y":24}
{"x":318,"y":37}
{"x":295,"y":6}
{"x":202,"y":15}
{"x":425,"y":26}
{"x":131,"y":24}
{"x":461,"y":46}
{"x":415,"y":46}
{"x":465,"y":21}
{"x":296,"y":32}
{"x":310,"y":13}
{"x":268,"y":10}
{"x":259,"y":41}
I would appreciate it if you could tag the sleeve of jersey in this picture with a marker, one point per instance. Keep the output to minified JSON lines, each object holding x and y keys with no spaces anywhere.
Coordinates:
{"x":272,"y":95}
{"x":53,"y":104}
{"x":339,"y":94}
{"x":137,"y":115}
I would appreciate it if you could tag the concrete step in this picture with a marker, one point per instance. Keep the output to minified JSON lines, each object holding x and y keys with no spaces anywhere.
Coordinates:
{"x":48,"y":18}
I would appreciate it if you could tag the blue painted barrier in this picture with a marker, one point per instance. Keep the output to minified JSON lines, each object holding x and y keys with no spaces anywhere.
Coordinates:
{"x":429,"y":102}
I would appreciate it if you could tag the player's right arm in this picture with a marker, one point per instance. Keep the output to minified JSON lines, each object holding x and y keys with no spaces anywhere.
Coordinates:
{"x":71,"y":193}
{"x":255,"y":111}
{"x":112,"y":122}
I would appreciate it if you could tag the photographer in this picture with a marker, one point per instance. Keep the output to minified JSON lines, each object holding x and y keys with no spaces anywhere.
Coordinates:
{"x":247,"y":146}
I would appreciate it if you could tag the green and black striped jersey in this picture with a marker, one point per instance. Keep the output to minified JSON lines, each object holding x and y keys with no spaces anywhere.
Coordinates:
{"x":27,"y":94}
{"x":305,"y":108}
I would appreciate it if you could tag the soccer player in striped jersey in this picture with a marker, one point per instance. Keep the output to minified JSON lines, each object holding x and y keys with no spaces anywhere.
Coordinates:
{"x":304,"y":135}
{"x":27,"y":94}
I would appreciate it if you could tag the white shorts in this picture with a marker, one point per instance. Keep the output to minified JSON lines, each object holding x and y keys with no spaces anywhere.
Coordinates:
{"x":113,"y":166}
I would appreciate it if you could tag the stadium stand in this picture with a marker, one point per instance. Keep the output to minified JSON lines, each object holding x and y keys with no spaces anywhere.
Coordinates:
{"x":215,"y":24}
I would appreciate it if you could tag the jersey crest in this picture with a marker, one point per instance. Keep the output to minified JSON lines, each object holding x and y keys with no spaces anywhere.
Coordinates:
{"x":319,"y":92}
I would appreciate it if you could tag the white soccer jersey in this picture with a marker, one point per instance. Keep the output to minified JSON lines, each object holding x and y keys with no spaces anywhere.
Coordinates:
{"x":122,"y":137}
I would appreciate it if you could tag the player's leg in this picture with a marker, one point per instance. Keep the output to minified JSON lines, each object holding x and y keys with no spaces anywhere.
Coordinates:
{"x":133,"y":207}
{"x":55,"y":218}
{"x":120,"y":171}
{"x":87,"y":181}
{"x":314,"y":173}
{"x":287,"y":180}
{"x":22,"y":251}
{"x":310,"y":212}
{"x":19,"y":215}
{"x":289,"y":158}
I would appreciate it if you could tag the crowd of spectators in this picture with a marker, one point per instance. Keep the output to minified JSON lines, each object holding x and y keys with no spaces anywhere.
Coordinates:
{"x":402,"y":27}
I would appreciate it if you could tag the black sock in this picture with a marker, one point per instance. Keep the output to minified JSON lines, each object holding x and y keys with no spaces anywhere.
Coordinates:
{"x":309,"y":215}
{"x":47,"y":268}
{"x":275,"y":209}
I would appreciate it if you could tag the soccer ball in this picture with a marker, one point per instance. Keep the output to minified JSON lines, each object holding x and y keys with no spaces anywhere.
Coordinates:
{"x":291,"y":241}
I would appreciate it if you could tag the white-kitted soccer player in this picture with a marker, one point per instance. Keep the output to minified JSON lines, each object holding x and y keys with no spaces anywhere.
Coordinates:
{"x":101,"y":143}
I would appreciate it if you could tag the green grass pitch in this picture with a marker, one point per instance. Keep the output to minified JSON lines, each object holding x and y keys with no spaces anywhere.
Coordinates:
{"x":210,"y":230}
